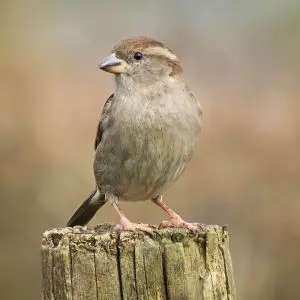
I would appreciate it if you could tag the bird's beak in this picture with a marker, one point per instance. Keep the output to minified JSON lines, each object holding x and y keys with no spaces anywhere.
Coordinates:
{"x":112,"y":64}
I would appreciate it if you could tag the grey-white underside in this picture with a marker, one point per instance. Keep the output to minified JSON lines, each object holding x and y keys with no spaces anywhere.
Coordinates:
{"x":144,"y":145}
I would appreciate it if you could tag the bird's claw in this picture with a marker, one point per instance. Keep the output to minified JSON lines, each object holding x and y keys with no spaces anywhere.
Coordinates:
{"x":179,"y":223}
{"x":127,"y":225}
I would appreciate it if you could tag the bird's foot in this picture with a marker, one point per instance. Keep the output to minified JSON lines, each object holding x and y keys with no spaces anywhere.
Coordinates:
{"x":125,"y":224}
{"x":177,"y":222}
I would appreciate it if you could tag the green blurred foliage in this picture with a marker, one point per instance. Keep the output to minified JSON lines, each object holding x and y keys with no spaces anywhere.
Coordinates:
{"x":240,"y":58}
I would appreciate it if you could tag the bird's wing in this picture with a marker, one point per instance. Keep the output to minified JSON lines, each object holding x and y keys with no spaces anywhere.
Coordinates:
{"x":105,"y":110}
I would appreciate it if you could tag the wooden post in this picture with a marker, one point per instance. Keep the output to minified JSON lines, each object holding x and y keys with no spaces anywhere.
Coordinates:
{"x":101,"y":263}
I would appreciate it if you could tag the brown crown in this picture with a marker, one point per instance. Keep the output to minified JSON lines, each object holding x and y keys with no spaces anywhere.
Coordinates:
{"x":148,"y":46}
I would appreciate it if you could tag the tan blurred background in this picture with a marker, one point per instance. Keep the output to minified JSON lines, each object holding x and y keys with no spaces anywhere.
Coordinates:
{"x":241,"y":58}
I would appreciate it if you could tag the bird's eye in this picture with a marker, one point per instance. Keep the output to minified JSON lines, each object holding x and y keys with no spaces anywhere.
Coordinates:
{"x":138,"y":55}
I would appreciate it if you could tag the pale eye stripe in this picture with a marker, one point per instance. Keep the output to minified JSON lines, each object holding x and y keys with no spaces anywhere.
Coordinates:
{"x":161,"y":52}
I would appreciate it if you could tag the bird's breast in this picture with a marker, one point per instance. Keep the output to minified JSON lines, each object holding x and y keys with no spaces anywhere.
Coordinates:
{"x":146,"y":146}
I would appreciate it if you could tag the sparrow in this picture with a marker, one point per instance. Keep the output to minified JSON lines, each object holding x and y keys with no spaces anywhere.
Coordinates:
{"x":147,"y":132}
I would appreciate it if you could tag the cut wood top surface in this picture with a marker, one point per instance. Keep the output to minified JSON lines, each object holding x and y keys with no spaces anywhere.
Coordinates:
{"x":53,"y":237}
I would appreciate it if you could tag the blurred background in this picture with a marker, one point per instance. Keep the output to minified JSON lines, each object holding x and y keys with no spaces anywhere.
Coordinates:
{"x":240,"y":58}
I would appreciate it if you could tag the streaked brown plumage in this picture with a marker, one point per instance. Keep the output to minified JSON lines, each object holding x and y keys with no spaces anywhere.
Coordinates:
{"x":147,"y":132}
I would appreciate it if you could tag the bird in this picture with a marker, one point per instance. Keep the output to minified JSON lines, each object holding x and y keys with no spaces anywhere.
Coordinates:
{"x":147,"y":132}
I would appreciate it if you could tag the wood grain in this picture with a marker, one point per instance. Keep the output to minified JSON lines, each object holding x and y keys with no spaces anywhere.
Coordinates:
{"x":100,"y":263}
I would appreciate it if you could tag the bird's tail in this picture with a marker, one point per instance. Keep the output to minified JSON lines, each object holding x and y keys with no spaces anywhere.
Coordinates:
{"x":87,"y":209}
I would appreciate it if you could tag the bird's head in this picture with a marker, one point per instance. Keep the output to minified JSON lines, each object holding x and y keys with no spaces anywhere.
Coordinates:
{"x":142,"y":61}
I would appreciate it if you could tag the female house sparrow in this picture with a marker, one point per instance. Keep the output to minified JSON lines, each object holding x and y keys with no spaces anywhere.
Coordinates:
{"x":147,"y":132}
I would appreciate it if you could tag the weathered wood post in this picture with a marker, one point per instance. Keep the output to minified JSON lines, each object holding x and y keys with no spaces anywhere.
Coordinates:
{"x":101,"y":263}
